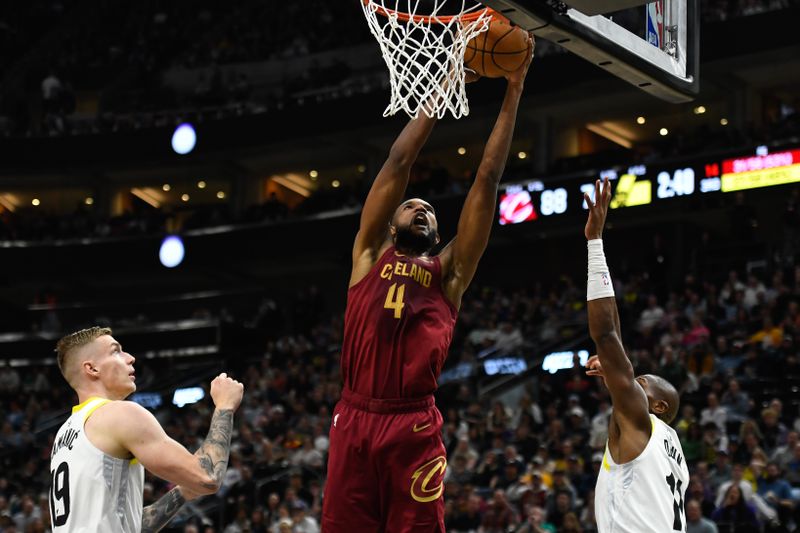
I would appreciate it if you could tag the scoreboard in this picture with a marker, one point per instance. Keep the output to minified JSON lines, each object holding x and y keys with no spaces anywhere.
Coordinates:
{"x":639,"y":185}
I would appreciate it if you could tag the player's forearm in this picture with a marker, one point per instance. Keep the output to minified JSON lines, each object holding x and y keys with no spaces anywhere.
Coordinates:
{"x":213,"y":454}
{"x":408,"y":144}
{"x":602,"y":310}
{"x":495,"y":154}
{"x":158,"y":515}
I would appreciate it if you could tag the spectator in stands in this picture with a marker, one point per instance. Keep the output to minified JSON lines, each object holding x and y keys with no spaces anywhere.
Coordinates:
{"x":736,"y":402}
{"x":695,"y":521}
{"x":769,"y":336}
{"x":499,"y":515}
{"x":776,"y":492}
{"x":773,"y":430}
{"x":784,"y":453}
{"x":651,"y":316}
{"x":734,"y":514}
{"x":714,"y":413}
{"x":560,"y":505}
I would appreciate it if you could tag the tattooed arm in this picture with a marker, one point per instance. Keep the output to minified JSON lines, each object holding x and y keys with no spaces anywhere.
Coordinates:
{"x":141,"y":436}
{"x":158,"y":515}
{"x":214,"y":452}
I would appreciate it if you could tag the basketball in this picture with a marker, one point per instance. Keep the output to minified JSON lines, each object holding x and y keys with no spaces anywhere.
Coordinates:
{"x":501,"y":49}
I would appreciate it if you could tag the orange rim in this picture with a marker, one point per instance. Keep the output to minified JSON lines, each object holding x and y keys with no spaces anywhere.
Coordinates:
{"x":428,"y":19}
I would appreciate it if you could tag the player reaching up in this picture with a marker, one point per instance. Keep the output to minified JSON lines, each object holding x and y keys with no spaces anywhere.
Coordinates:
{"x":643,"y":476}
{"x":100,"y":453}
{"x":386,"y":460}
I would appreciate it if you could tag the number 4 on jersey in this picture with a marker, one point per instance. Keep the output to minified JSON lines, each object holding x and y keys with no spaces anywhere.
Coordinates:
{"x":394,"y":299}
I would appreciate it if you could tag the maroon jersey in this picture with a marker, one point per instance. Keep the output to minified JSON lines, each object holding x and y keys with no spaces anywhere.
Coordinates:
{"x":397,"y":328}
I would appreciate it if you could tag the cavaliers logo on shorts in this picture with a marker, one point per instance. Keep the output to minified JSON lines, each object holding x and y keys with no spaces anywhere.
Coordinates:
{"x":427,"y":482}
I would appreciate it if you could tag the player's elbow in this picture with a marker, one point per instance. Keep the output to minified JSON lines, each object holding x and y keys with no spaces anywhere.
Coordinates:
{"x":204,"y":485}
{"x":489,"y":172}
{"x":400,"y":157}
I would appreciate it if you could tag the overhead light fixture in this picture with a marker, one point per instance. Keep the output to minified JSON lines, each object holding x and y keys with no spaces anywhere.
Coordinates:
{"x":184,"y":139}
{"x":362,"y":168}
{"x":89,"y":200}
{"x":292,"y":185}
{"x":35,"y":202}
{"x":462,"y":150}
{"x":221,"y":195}
{"x":172,"y":251}
{"x":723,"y":121}
{"x":613,"y":132}
{"x":335,"y":184}
{"x":640,"y":120}
{"x":166,"y":187}
{"x":147,"y":196}
{"x":185,"y":197}
{"x":699,"y":110}
{"x":663,"y":132}
{"x":201,"y":184}
{"x":313,"y":174}
{"x":522,"y":155}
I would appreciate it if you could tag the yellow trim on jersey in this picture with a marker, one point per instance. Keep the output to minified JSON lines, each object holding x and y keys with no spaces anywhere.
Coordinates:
{"x":101,"y":402}
{"x":134,"y":461}
{"x":80,"y":406}
{"x":605,"y":462}
{"x":90,"y":406}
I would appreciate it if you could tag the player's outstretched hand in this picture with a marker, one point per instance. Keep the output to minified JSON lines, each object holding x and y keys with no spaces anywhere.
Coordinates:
{"x":597,"y":209}
{"x":226,"y":392}
{"x":518,"y":76}
{"x":594,"y":368}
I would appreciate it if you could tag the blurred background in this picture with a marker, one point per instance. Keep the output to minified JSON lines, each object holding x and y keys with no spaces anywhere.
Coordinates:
{"x":250,"y":134}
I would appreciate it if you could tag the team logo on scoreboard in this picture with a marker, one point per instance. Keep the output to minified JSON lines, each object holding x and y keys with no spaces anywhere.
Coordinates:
{"x":516,"y":207}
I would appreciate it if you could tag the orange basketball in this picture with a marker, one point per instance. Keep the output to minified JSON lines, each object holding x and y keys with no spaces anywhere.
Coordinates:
{"x":501,"y":49}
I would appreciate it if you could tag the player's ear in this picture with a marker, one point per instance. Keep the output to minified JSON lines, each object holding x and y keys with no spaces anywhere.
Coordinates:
{"x":438,"y":239}
{"x":89,"y":369}
{"x":660,"y":407}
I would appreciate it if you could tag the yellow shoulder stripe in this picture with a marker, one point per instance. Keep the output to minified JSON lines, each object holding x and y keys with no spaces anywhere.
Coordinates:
{"x":91,"y":406}
{"x":605,"y":461}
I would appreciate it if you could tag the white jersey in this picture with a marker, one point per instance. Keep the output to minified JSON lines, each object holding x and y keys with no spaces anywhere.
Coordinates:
{"x":644,"y":495}
{"x":91,"y":491}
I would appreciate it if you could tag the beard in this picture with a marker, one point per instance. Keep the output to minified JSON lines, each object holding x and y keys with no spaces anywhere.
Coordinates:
{"x":419,"y":243}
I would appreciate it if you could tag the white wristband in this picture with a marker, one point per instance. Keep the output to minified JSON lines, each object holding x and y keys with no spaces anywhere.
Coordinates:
{"x":598,"y":282}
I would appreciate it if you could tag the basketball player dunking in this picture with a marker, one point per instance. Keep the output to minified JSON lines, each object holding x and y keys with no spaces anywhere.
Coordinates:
{"x":643,"y":476}
{"x":100,"y":453}
{"x":386,"y":459}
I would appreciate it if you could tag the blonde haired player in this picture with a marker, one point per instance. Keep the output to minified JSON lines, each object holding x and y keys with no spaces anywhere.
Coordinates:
{"x":643,"y":477}
{"x":100,"y":453}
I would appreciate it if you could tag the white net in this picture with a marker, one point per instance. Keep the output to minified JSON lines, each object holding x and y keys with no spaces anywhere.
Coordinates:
{"x":425,"y":52}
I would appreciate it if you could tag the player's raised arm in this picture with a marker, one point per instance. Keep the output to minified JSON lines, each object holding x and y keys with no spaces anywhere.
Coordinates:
{"x":629,"y":399}
{"x":460,"y":258}
{"x":388,"y":189}
{"x":144,"y":437}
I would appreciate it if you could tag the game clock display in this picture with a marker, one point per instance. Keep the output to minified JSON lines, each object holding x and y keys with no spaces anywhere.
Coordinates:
{"x":639,"y":185}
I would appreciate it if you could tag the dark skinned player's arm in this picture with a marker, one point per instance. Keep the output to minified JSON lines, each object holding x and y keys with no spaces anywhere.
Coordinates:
{"x":629,"y":400}
{"x":389,"y":187}
{"x":460,"y":258}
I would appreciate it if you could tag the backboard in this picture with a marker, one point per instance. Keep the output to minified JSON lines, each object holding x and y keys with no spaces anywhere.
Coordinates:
{"x":660,"y":56}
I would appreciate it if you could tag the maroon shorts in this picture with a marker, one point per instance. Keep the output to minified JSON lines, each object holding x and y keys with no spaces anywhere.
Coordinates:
{"x":386,"y":466}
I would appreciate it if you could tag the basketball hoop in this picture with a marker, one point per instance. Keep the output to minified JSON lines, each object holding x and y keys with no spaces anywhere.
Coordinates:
{"x":423,"y":45}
